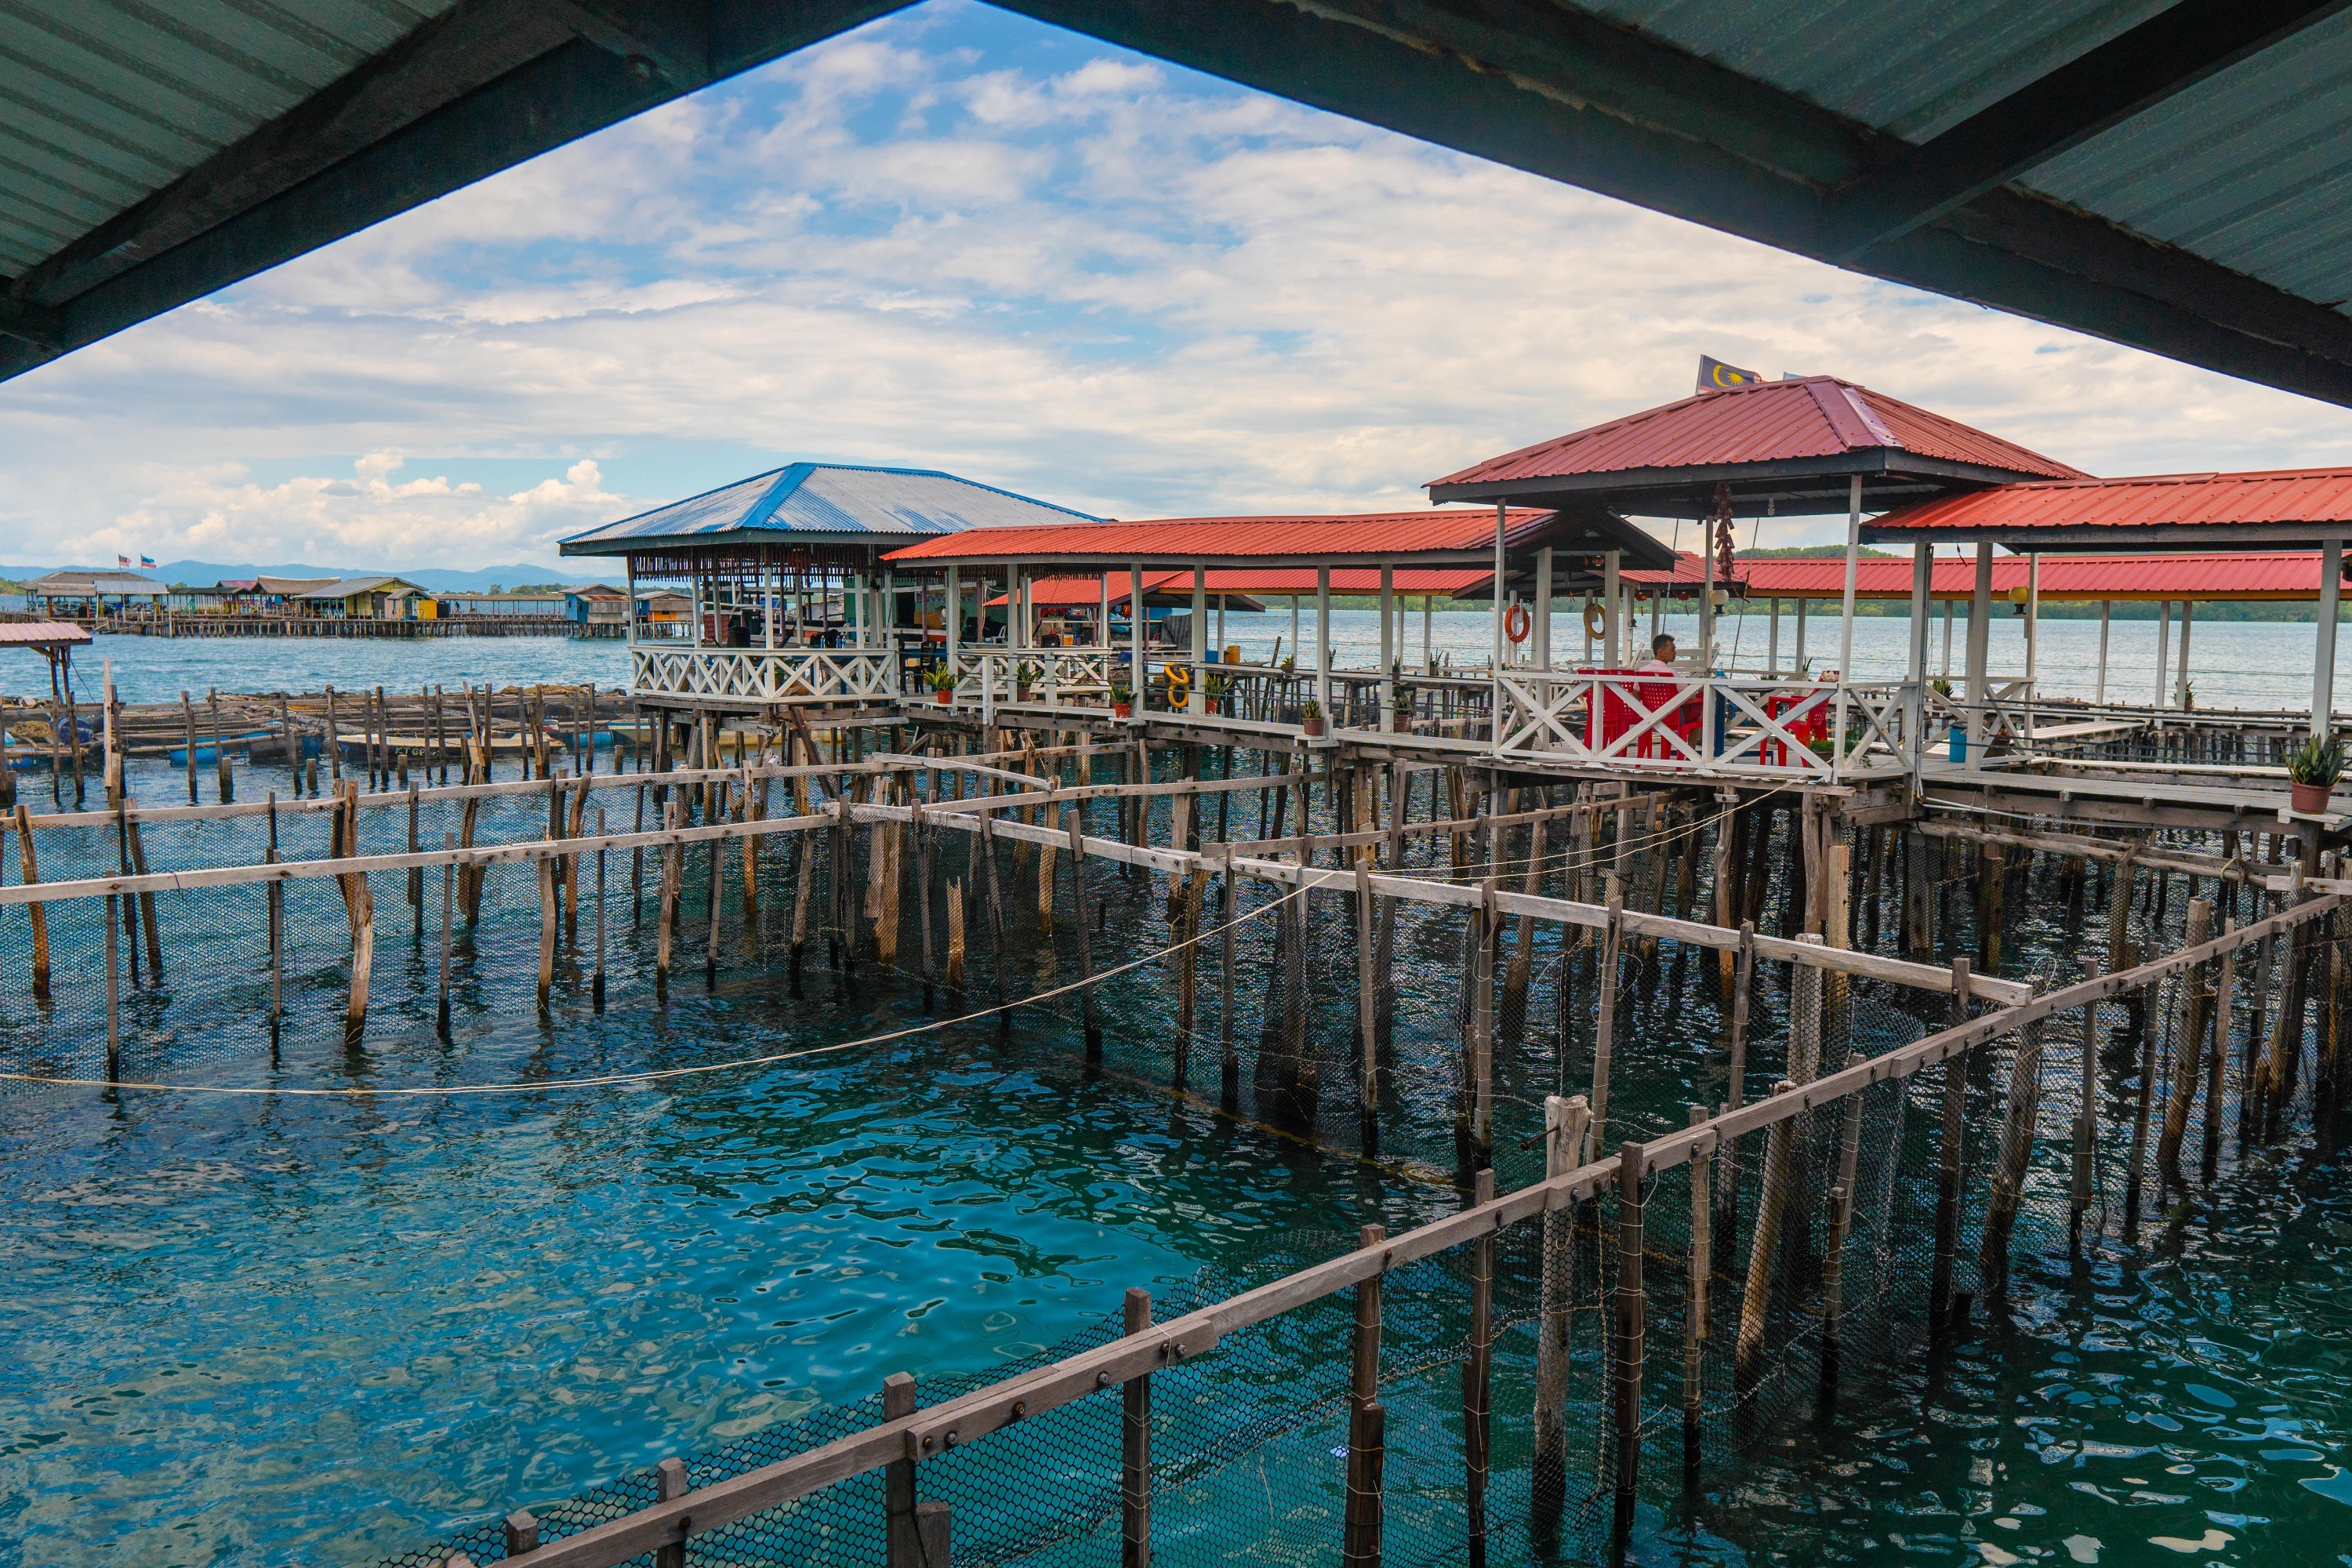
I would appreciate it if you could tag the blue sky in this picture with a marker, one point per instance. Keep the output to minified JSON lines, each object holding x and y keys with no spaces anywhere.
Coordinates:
{"x":961,"y":239}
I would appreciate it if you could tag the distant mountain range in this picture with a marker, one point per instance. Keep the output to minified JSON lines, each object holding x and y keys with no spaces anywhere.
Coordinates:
{"x":203,"y":574}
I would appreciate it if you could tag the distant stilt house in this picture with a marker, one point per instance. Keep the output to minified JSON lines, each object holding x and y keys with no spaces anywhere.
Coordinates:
{"x":789,"y":603}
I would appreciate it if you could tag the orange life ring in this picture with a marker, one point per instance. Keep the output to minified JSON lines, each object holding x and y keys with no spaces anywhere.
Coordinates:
{"x":1596,"y":620}
{"x":1517,"y":622}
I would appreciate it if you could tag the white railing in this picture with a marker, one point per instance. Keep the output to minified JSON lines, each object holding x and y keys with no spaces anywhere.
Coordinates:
{"x":1064,"y":677}
{"x":766,"y":675}
{"x":1693,"y":723}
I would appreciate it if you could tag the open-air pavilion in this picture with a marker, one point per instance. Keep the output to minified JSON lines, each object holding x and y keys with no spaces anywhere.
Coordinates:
{"x":1241,"y":552}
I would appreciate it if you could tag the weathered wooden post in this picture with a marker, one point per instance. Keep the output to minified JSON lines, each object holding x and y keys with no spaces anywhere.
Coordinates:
{"x":449,"y":905}
{"x":670,"y":1485}
{"x":547,"y":916}
{"x":29,"y":866}
{"x":1833,"y":1260}
{"x":188,"y":717}
{"x":1135,"y":1448}
{"x":1229,"y":1061}
{"x":1948,"y":1167}
{"x":596,"y":986}
{"x":113,"y":1002}
{"x":2225,"y":991}
{"x":1764,"y":1251}
{"x":1631,"y":1316}
{"x":901,"y":1548}
{"x":274,"y":904}
{"x":1694,"y":1308}
{"x":1360,"y":1538}
{"x":226,"y":787}
{"x":1368,"y":1071}
{"x":2189,"y":1059}
{"x":715,"y":814}
{"x":146,"y":900}
{"x":1604,"y":1035}
{"x":1566,"y":1123}
{"x":985,"y":847}
{"x":415,"y":873}
{"x":2016,"y":1125}
{"x":673,"y":872}
{"x":1736,"y":1069}
{"x":359,"y":904}
{"x":919,"y":828}
{"x":1477,"y":1378}
{"x":1091,"y":1026}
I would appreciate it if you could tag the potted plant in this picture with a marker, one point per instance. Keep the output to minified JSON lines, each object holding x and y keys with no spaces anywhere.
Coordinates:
{"x":1122,"y":699}
{"x":1290,"y":666}
{"x":1211,"y":692}
{"x":1025,"y":676}
{"x":942,"y":680}
{"x":1311,"y":716}
{"x":2312,"y":769}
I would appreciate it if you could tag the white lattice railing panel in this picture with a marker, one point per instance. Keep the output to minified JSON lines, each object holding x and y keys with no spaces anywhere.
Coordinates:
{"x":766,"y":675}
{"x":1647,"y":723}
{"x":1081,"y":676}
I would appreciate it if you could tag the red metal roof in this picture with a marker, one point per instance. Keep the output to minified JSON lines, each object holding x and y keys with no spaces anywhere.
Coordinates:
{"x":2231,"y":575}
{"x":1355,"y":537}
{"x":1765,"y":421}
{"x":2283,"y":496}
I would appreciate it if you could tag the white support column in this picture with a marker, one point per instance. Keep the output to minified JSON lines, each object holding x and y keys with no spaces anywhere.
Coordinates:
{"x":2106,"y":614}
{"x":1706,"y":608}
{"x":1198,"y":701}
{"x":1323,"y":644}
{"x":1798,"y":664}
{"x":1427,"y":615}
{"x":1298,"y":648}
{"x":2032,"y":639}
{"x":1389,"y":645}
{"x":1845,"y":616}
{"x":1773,"y":655}
{"x":768,"y":607}
{"x":2163,"y":648}
{"x":1102,"y":620}
{"x":630,"y":566}
{"x":1946,"y":671}
{"x":2180,"y":689}
{"x":1543,"y":608}
{"x":1612,"y":588}
{"x":2323,"y":664}
{"x":1494,"y":654}
{"x":951,"y":622}
{"x":1222,"y":599}
{"x":1980,"y":686}
{"x":1914,"y":667}
{"x":1138,"y":671}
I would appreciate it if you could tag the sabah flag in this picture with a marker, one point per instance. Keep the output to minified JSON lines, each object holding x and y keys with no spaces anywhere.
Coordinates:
{"x":146,"y":561}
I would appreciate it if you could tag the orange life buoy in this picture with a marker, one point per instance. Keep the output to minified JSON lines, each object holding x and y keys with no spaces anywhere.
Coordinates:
{"x":1596,"y":620}
{"x":1517,"y":622}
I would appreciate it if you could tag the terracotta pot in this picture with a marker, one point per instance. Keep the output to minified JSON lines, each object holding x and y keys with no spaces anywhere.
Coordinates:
{"x":942,"y":698}
{"x":1208,"y":705}
{"x":1122,"y":710}
{"x":2311,"y":799}
{"x":1313,"y":727}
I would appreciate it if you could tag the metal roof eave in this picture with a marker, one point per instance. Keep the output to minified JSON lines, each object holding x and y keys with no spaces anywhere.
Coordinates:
{"x":732,"y":540}
{"x":1622,"y":489}
{"x":2096,"y":539}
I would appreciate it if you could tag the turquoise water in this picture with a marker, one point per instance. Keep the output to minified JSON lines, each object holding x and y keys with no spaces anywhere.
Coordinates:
{"x":2231,"y":664}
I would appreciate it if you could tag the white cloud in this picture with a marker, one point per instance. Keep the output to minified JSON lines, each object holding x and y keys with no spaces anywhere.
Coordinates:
{"x":958,"y":239}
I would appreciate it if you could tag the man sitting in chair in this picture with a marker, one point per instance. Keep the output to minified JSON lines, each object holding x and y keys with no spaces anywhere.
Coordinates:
{"x":1661,"y":654}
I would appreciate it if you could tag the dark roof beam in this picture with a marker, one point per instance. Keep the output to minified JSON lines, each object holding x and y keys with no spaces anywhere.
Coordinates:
{"x":2128,"y":75}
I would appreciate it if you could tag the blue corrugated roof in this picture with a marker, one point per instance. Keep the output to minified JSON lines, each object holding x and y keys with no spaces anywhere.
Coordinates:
{"x":831,"y":499}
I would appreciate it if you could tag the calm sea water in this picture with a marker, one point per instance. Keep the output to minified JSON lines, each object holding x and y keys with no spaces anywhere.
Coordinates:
{"x":318,"y":1331}
{"x":2231,"y":665}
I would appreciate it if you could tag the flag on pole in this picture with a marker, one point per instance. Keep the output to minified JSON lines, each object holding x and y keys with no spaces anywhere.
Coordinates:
{"x":1713,"y":375}
{"x":147,"y":561}
{"x":122,"y":561}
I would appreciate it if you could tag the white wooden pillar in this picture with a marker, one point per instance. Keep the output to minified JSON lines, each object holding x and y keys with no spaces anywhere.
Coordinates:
{"x":1980,"y":686}
{"x":1198,"y":701}
{"x":1773,"y":654}
{"x":2033,"y":638}
{"x":953,"y":621}
{"x":2163,"y":648}
{"x":2180,"y":689}
{"x":1102,"y":622}
{"x":1222,"y":600}
{"x":1390,"y":643}
{"x":2323,"y":664}
{"x":2106,"y":614}
{"x":1428,"y":614}
{"x":1138,"y":672}
{"x":1323,"y":644}
{"x":1803,"y":607}
{"x":1497,"y":642}
{"x":1611,"y":587}
{"x":1946,"y":671}
{"x":1543,"y":608}
{"x":1914,"y":667}
{"x":1298,"y":648}
{"x":1845,"y":613}
{"x":768,"y":607}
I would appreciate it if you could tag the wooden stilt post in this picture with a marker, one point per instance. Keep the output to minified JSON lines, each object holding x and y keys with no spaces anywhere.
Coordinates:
{"x":1833,"y":1259}
{"x":2189,"y":1055}
{"x":1694,"y":1308}
{"x":29,"y":865}
{"x":2224,"y":992}
{"x":1630,"y":1317}
{"x":113,"y":1000}
{"x":1764,"y":1251}
{"x":547,"y":919}
{"x":449,"y":905}
{"x":1736,"y":1069}
{"x":415,"y":873}
{"x":1229,"y":1062}
{"x":673,"y":873}
{"x":714,"y":813}
{"x":1092,"y":1027}
{"x":2018,"y":1117}
{"x":1135,"y":1448}
{"x":901,"y":1548}
{"x":275,"y":910}
{"x":2079,"y":1191}
{"x":985,"y":845}
{"x":919,"y":828}
{"x":670,"y":1485}
{"x":1604,"y":1038}
{"x":1477,"y":1379}
{"x":1368,"y":1072}
{"x":596,"y":986}
{"x":146,"y":900}
{"x":188,"y":716}
{"x":1566,"y":1123}
{"x":1360,"y":1540}
{"x":1948,"y":1168}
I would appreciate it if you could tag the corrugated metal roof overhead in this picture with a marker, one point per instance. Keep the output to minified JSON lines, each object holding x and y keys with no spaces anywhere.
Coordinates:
{"x":2259,"y":508}
{"x":2209,"y":576}
{"x":1355,"y":538}
{"x":829,"y":500}
{"x":1765,"y":422}
{"x":105,"y":102}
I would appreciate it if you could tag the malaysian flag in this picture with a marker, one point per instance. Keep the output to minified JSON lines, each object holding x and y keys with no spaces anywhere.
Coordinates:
{"x":122,"y":561}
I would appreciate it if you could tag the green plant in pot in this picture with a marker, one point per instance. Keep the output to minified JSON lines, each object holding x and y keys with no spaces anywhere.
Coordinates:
{"x":1213,"y":691}
{"x":942,"y":682}
{"x":2312,"y":769}
{"x":1023,"y":678}
{"x":1311,"y":716}
{"x":1122,"y":699}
